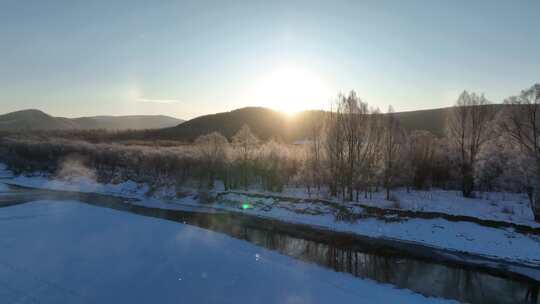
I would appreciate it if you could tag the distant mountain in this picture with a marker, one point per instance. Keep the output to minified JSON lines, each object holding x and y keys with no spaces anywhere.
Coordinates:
{"x":267,"y":123}
{"x":134,"y":122}
{"x":34,"y":120}
{"x":37,"y":120}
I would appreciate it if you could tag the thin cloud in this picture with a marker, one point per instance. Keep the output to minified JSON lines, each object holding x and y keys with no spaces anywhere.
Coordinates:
{"x":158,"y":100}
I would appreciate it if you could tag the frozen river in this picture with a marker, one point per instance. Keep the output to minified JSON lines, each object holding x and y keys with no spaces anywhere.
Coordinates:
{"x":65,"y":251}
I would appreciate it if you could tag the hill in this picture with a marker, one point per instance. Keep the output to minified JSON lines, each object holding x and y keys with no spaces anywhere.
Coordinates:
{"x":32,"y":120}
{"x":134,"y":122}
{"x":264,"y":122}
{"x":267,"y":123}
{"x":432,"y":120}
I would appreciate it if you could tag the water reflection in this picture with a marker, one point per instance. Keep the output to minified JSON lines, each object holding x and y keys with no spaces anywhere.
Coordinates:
{"x":430,"y":279}
{"x":426,"y":278}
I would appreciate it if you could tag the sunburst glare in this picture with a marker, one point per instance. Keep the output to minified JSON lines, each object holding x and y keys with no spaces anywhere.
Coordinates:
{"x":290,"y":89}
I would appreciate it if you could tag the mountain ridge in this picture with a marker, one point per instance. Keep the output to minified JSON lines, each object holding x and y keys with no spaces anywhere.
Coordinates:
{"x":267,"y":123}
{"x":264,"y":122}
{"x":34,"y":119}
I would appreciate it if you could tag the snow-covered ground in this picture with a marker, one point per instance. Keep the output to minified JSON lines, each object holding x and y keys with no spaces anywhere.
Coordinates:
{"x":68,"y":252}
{"x":509,"y":207}
{"x":82,"y":184}
{"x":497,"y":206}
{"x":505,"y":244}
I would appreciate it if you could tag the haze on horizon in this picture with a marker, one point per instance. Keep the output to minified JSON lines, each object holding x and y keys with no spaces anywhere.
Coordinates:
{"x":188,"y":58}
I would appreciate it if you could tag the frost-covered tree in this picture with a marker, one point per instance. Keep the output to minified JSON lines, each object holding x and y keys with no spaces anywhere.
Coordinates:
{"x":245,"y":142}
{"x":347,"y":144}
{"x":371,"y":154}
{"x":334,"y":147}
{"x":355,"y":130}
{"x":273,"y":158}
{"x":469,"y":128}
{"x":212,"y":150}
{"x":392,"y":143}
{"x":420,"y":152}
{"x":491,"y":166}
{"x":313,"y":171}
{"x":521,"y":122}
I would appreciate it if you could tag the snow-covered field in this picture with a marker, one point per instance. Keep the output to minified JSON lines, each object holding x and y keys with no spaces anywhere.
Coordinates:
{"x":498,"y":206}
{"x":505,"y":244}
{"x":68,"y":252}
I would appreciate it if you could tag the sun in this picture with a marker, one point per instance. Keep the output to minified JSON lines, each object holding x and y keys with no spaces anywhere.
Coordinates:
{"x":290,"y":90}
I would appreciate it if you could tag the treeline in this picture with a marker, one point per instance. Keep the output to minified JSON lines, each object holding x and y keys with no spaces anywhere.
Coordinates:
{"x":243,"y":162}
{"x":128,"y":136}
{"x":485,"y":148}
{"x":352,"y":152}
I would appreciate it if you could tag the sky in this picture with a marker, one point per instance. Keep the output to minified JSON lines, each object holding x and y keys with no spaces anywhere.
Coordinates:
{"x":189,"y":58}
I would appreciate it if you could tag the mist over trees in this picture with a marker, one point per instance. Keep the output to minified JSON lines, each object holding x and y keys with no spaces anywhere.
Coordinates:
{"x":352,"y":152}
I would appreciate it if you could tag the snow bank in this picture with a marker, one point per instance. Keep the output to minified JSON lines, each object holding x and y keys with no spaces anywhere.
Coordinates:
{"x":126,"y":189}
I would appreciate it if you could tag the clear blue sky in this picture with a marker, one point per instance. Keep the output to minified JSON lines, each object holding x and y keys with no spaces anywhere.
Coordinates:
{"x":186,"y":58}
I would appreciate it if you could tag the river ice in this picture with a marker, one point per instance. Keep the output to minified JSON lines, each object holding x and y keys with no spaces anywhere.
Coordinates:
{"x":69,"y":252}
